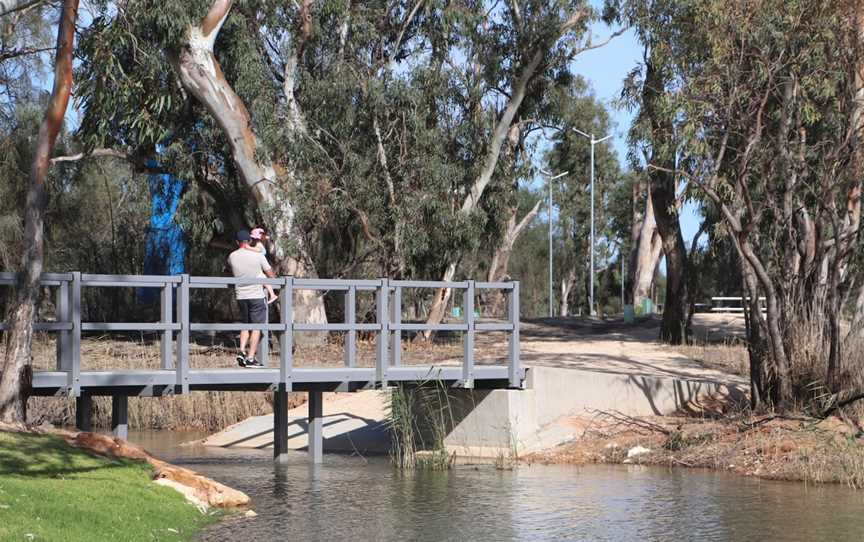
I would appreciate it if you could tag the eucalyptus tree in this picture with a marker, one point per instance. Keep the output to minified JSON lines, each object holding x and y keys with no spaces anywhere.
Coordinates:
{"x":768,"y":124}
{"x":579,"y":109}
{"x":527,"y":47}
{"x":15,"y":377}
{"x":662,"y":28}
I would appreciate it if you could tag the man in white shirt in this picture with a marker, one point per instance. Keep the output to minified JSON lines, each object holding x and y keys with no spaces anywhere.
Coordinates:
{"x":246,"y":262}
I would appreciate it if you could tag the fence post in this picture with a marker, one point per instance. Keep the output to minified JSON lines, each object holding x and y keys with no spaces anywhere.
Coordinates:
{"x":383,"y":316}
{"x":286,"y":341}
{"x":396,"y":310}
{"x":183,"y":334}
{"x":166,"y":318}
{"x":351,"y":334}
{"x":62,"y":315}
{"x":514,"y":361}
{"x":468,"y":340}
{"x":263,"y":353}
{"x":74,"y":378}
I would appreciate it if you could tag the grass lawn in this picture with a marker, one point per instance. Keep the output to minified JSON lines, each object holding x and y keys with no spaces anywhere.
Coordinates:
{"x":52,"y":491}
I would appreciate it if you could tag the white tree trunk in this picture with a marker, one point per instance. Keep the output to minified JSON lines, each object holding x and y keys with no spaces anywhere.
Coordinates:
{"x":201,"y":76}
{"x":567,"y":284}
{"x":501,"y":258}
{"x":647,"y":255}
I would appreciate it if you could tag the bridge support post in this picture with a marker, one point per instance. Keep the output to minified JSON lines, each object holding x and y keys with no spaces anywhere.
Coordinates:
{"x":120,"y":416}
{"x":316,"y":427}
{"x":84,"y":412}
{"x":280,"y":424}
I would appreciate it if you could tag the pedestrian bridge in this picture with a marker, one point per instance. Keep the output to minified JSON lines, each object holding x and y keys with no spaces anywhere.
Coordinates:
{"x":174,"y":376}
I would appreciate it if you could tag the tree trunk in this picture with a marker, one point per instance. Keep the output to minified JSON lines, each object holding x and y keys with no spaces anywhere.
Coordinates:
{"x":676,"y":308}
{"x":567,"y":285}
{"x":201,"y":75}
{"x":15,"y":379}
{"x":647,"y":255}
{"x":501,"y":259}
{"x":662,"y":183}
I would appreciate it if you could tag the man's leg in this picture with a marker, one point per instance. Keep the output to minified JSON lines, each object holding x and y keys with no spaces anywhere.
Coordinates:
{"x":253,"y":343}
{"x":244,"y":338}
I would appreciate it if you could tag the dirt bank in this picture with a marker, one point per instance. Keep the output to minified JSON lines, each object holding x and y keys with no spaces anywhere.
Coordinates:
{"x":800,"y":449}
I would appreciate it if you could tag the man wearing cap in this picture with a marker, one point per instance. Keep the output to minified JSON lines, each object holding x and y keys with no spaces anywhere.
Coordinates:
{"x":245,"y":262}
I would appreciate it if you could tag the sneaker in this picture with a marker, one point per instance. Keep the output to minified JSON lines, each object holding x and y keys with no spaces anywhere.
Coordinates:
{"x":241,"y":360}
{"x":252,"y":363}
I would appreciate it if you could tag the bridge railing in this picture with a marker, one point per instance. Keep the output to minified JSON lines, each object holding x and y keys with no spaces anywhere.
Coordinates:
{"x":175,"y":319}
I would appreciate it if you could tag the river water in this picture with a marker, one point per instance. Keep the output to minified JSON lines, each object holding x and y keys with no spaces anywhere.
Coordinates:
{"x":352,"y":498}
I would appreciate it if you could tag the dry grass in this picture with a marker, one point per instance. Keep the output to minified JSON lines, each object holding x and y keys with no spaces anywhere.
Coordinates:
{"x":729,"y":356}
{"x":215,"y":410}
{"x":771,"y":448}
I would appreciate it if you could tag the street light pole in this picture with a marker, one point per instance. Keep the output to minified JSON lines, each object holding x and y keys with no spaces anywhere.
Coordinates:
{"x":591,"y":285}
{"x":551,"y":178}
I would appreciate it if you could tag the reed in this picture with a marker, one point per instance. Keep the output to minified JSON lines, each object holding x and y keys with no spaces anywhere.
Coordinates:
{"x":419,"y":419}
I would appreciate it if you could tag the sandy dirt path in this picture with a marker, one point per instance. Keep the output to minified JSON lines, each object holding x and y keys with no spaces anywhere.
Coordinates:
{"x":616,"y":347}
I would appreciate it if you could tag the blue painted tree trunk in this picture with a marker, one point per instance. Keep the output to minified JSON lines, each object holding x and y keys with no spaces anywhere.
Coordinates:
{"x":165,"y":250}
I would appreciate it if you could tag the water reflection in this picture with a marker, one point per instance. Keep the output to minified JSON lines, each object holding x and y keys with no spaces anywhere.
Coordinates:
{"x":368,"y":500}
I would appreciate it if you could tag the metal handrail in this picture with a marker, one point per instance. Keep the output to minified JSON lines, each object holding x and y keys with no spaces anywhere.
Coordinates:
{"x":174,"y":352}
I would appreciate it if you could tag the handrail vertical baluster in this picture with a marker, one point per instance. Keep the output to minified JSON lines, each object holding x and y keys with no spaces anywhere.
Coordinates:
{"x":183,"y":335}
{"x":396,"y":347}
{"x":513,"y":357}
{"x":166,"y":310}
{"x":286,"y":341}
{"x":351,"y":319}
{"x":383,"y":316}
{"x":62,"y":306}
{"x":74,"y":381}
{"x":468,"y":340}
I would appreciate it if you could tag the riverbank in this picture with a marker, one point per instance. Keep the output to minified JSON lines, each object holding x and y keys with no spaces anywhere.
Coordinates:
{"x":50,"y":490}
{"x":793,"y":449}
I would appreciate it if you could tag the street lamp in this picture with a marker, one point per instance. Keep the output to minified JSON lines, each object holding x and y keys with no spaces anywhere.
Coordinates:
{"x":551,"y":178}
{"x":593,"y":142}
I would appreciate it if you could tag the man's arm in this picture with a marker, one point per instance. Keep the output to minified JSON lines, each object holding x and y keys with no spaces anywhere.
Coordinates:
{"x":270,"y":273}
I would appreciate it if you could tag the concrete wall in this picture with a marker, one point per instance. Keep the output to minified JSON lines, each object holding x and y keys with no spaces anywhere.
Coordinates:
{"x":506,"y":422}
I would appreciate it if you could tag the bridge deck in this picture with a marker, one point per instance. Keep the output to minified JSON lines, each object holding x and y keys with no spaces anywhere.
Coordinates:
{"x":152,"y":383}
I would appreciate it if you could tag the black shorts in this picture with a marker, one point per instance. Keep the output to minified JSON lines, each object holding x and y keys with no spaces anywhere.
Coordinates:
{"x":253,"y":311}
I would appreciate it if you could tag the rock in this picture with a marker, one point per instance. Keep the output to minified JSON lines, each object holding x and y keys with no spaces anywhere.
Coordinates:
{"x":199,"y":490}
{"x":250,"y":514}
{"x":636,"y":451}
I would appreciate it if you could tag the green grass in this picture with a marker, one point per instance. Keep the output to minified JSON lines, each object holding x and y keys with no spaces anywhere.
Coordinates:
{"x":52,"y":491}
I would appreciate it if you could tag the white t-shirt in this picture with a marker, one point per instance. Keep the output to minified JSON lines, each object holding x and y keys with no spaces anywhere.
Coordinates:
{"x":246,"y":263}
